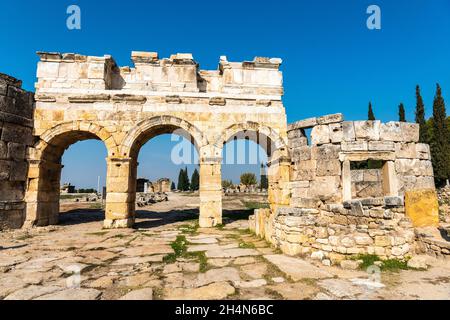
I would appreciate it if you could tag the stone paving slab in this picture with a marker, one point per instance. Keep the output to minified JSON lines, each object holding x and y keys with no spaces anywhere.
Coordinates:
{"x":296,"y":268}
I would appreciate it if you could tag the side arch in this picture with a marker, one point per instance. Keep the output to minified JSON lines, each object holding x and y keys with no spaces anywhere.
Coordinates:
{"x":273,"y":143}
{"x":65,"y":134}
{"x":44,"y":174}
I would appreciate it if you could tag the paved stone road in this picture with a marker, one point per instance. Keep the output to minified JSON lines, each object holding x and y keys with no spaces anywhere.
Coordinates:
{"x":168,"y":257}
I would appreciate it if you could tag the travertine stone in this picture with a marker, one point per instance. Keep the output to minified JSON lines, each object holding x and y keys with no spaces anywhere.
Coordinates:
{"x":303,"y":124}
{"x":320,"y":135}
{"x":381,"y":146}
{"x":16,"y":112}
{"x":86,"y":97}
{"x":367,"y":130}
{"x":331,"y":118}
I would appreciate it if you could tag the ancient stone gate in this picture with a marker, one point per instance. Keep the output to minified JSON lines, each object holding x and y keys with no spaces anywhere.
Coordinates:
{"x":83,"y":97}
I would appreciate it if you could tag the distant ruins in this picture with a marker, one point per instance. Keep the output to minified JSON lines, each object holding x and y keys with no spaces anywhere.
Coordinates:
{"x":351,"y":187}
{"x":160,"y":185}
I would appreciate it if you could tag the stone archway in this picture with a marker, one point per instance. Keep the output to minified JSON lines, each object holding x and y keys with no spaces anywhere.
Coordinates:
{"x":127,"y":106}
{"x":43,"y":183}
{"x":278,"y":155}
{"x":122,"y":179}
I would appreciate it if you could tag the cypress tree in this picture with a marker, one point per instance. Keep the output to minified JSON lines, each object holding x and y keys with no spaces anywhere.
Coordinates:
{"x":401,"y":113}
{"x":180,"y":186}
{"x":420,"y":118}
{"x":172,"y":186}
{"x":195,"y":181}
{"x":186,"y":180}
{"x":371,"y":115}
{"x":440,"y":145}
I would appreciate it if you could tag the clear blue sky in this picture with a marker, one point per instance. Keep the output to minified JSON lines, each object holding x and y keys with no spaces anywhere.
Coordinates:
{"x":332,"y":62}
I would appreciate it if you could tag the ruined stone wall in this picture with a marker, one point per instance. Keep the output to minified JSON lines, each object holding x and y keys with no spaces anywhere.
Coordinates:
{"x":333,"y":233}
{"x":336,"y":212}
{"x":321,"y":167}
{"x":16,"y":113}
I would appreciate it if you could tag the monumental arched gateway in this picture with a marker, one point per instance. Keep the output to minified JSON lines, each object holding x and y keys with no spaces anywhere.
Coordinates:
{"x":83,"y":97}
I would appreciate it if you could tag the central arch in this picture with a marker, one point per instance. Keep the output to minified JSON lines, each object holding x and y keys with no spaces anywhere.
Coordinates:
{"x":121,"y":182}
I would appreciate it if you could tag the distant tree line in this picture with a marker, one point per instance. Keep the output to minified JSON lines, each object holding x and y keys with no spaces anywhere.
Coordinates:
{"x":184,"y":184}
{"x":435,"y":131}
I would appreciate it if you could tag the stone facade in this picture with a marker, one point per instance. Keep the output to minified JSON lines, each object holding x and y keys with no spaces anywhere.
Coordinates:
{"x":16,"y":123}
{"x":336,"y":212}
{"x":83,"y":97}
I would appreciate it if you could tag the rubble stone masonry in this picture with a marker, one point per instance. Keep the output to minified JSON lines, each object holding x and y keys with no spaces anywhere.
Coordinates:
{"x":16,"y":125}
{"x":336,"y":212}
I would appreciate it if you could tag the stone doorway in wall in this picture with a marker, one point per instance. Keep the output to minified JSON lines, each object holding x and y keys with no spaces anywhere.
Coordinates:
{"x":245,"y":175}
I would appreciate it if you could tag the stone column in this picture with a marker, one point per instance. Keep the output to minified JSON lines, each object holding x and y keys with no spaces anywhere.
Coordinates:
{"x":346,"y":181}
{"x":42,"y":196}
{"x":210,"y":192}
{"x":120,"y":192}
{"x":279,"y":192}
{"x":390,"y":187}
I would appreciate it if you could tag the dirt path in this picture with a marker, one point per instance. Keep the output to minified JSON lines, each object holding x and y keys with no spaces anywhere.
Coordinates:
{"x":168,"y":257}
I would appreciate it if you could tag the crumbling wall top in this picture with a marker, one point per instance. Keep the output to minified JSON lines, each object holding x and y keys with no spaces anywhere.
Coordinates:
{"x":178,"y":73}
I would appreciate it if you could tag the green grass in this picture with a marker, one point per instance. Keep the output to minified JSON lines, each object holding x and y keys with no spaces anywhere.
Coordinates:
{"x":246,"y":245}
{"x":393,"y":265}
{"x":179,"y":247}
{"x":189,"y":228}
{"x":252,"y":205}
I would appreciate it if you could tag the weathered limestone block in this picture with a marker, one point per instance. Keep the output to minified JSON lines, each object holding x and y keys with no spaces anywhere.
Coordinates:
{"x":325,"y":152}
{"x":381,"y":146}
{"x":320,"y":135}
{"x":414,"y":167}
{"x":303,"y":124}
{"x":410,"y":131}
{"x":328,"y":168}
{"x":423,"y":151}
{"x":360,"y":145}
{"x":325,"y":188}
{"x":348,"y":129}
{"x":407,"y":183}
{"x":422,"y":207}
{"x":405,"y":150}
{"x":305,"y":170}
{"x":301,"y":153}
{"x":391,"y":131}
{"x":298,"y":142}
{"x":336,"y":132}
{"x":331,"y":118}
{"x":367,"y":130}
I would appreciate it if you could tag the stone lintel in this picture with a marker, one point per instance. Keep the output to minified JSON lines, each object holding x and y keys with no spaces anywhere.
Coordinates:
{"x":89,"y":98}
{"x":303,"y":124}
{"x":366,"y":155}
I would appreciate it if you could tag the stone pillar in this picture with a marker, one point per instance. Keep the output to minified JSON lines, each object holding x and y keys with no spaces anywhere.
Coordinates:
{"x":42,"y":196}
{"x":390,"y":187}
{"x":346,"y":181}
{"x":120,"y":193}
{"x":279,"y":192}
{"x":210,"y":192}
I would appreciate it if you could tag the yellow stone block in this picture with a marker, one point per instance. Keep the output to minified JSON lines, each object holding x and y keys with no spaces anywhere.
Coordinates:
{"x":422,"y":207}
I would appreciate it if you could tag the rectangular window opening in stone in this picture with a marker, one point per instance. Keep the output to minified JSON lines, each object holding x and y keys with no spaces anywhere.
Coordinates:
{"x":367,"y":179}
